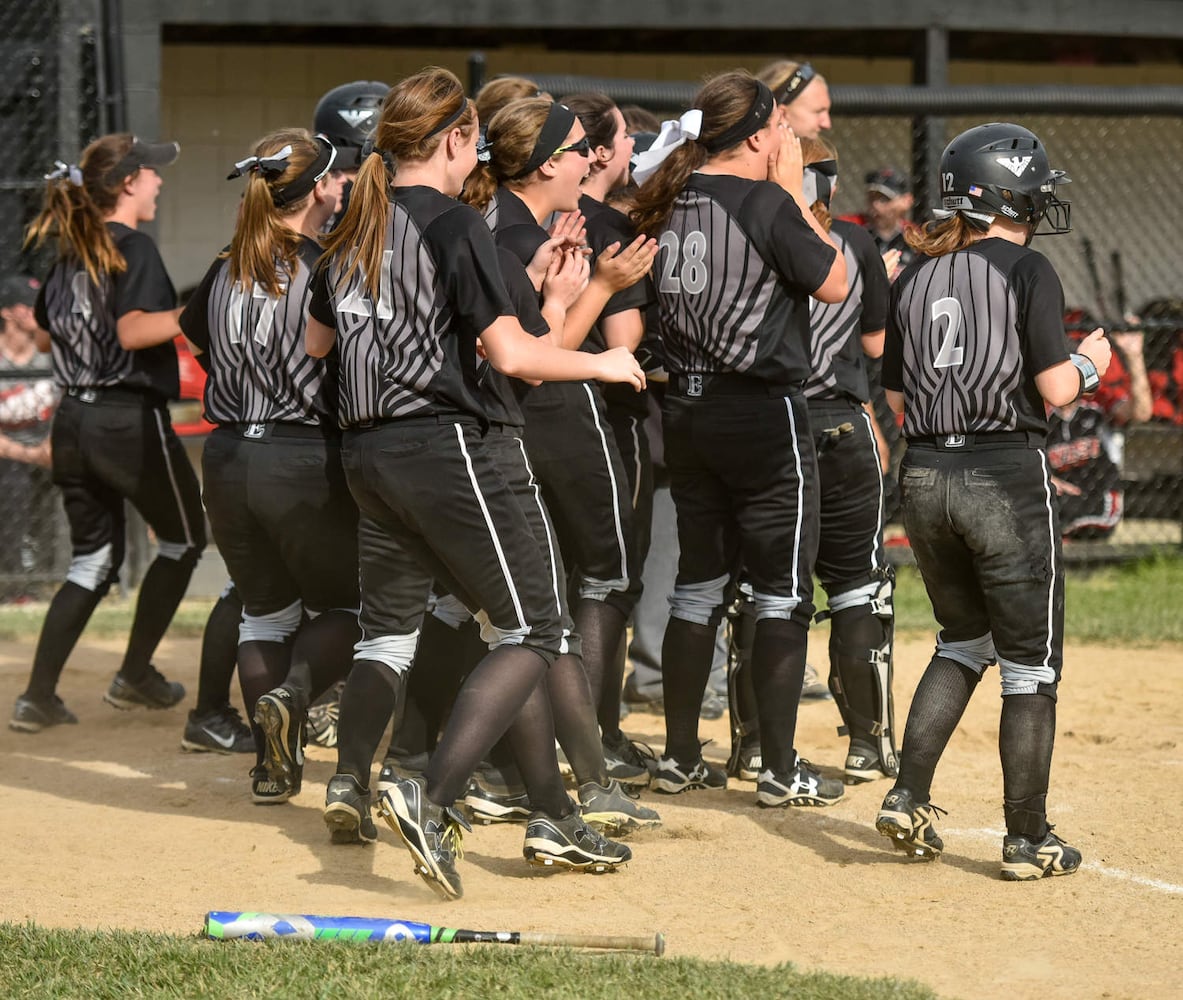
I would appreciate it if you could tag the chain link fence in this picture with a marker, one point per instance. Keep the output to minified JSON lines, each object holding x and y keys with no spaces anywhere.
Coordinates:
{"x":53,"y":101}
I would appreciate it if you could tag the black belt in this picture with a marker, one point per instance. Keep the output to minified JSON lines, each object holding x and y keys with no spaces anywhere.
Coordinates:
{"x":694,"y":385}
{"x":263,"y":431}
{"x":415,"y":420}
{"x":971,"y":442}
{"x":114,"y":394}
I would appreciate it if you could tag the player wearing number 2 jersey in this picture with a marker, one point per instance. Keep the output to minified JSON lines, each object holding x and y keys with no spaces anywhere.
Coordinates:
{"x":741,"y":255}
{"x":110,"y":310}
{"x":975,"y":346}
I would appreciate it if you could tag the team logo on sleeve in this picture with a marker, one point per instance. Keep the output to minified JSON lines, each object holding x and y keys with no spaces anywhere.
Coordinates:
{"x":1015,"y":164}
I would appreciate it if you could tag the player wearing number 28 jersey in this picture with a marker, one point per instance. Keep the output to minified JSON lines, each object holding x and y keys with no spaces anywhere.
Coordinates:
{"x":741,"y":255}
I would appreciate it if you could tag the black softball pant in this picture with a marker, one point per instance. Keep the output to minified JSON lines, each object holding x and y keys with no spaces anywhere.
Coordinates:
{"x":434,"y":505}
{"x":575,"y":457}
{"x":850,"y":547}
{"x":983,"y":524}
{"x":282,"y":516}
{"x":112,"y":445}
{"x":743,"y":476}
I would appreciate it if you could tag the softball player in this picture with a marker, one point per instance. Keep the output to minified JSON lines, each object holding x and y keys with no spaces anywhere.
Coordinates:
{"x":803,"y":95}
{"x":741,"y":255}
{"x":539,"y":156}
{"x":274,"y":488}
{"x":111,"y":313}
{"x":850,"y":562}
{"x":622,"y":322}
{"x":975,"y":347}
{"x":409,"y":283}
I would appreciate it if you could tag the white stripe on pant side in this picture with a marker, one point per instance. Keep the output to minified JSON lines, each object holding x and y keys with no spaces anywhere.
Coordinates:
{"x":878,"y":468}
{"x":634,"y":423}
{"x":1051,"y":537}
{"x":172,"y":478}
{"x":480,"y":499}
{"x":624,"y":567}
{"x":800,"y":501}
{"x":550,"y":539}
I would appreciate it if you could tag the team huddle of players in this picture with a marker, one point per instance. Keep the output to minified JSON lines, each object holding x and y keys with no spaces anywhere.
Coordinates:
{"x":428,"y":346}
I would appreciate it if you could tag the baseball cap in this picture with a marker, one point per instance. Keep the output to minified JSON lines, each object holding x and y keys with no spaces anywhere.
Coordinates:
{"x":18,"y":289}
{"x":143,"y":154}
{"x":889,"y":182}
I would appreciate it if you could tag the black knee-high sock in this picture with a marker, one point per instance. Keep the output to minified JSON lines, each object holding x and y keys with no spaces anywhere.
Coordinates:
{"x":1026,"y":736}
{"x":371,"y":696}
{"x":531,"y":736}
{"x":778,"y":668}
{"x":323,"y":652}
{"x":940,"y":700}
{"x":601,"y":628}
{"x":741,"y":689}
{"x":261,"y":666}
{"x":443,"y":658}
{"x":575,"y":719}
{"x":68,"y":613}
{"x":219,"y":652}
{"x":686,"y":655}
{"x":487,"y":704}
{"x":161,"y":591}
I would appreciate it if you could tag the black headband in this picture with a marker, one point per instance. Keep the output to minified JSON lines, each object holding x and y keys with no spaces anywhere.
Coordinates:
{"x":749,"y":124}
{"x":560,"y":119}
{"x":306,"y":180}
{"x":793,"y":86}
{"x":450,"y":120}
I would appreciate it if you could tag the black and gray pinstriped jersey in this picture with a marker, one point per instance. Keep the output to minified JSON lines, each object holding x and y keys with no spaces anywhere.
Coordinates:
{"x":966,"y":335}
{"x":838,"y":368}
{"x":736,"y":265}
{"x":258,"y":369}
{"x":81,"y":318}
{"x":413,"y":352}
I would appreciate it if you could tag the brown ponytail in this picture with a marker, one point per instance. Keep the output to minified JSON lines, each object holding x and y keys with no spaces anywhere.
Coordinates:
{"x":264,"y":246}
{"x":815,"y":151}
{"x":943,"y":236}
{"x":724,"y":101}
{"x":511,"y":135}
{"x":409,"y":128}
{"x":76,"y":214}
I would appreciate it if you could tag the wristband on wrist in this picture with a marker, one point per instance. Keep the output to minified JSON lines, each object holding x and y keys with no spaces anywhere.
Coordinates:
{"x":1089,"y":378}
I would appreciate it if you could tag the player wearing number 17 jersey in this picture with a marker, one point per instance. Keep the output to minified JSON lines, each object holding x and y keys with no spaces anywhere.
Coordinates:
{"x":275,"y":491}
{"x":975,"y":347}
{"x":740,"y":258}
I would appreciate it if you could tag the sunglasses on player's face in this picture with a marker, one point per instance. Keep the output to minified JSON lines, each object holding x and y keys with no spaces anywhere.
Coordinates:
{"x":582,"y":147}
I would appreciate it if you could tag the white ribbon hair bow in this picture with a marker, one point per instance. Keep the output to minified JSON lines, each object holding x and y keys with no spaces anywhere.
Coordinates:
{"x":672,"y":135}
{"x":66,"y":170}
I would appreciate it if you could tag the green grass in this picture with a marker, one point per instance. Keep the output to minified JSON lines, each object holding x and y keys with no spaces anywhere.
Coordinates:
{"x":118,"y":964}
{"x":112,"y":619}
{"x":1135,"y":603}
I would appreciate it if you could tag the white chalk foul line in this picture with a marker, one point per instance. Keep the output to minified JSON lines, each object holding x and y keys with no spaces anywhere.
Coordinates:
{"x":1091,"y":866}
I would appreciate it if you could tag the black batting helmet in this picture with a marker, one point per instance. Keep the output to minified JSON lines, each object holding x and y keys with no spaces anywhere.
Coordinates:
{"x":1002,"y":169}
{"x":346,"y":116}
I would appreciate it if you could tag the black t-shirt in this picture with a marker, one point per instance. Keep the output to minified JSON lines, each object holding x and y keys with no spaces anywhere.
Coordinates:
{"x":81,"y":318}
{"x":258,"y":369}
{"x":839,"y":368}
{"x":605,"y":226}
{"x":499,"y":393}
{"x":515,"y":228}
{"x":414,"y":350}
{"x":966,"y":335}
{"x":734,"y":274}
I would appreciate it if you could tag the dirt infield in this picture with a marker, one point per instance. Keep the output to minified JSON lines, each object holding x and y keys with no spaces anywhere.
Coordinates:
{"x":108,"y":824}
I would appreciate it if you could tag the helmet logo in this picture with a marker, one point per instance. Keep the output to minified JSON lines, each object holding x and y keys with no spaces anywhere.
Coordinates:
{"x":353,"y":117}
{"x":1015,"y":164}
